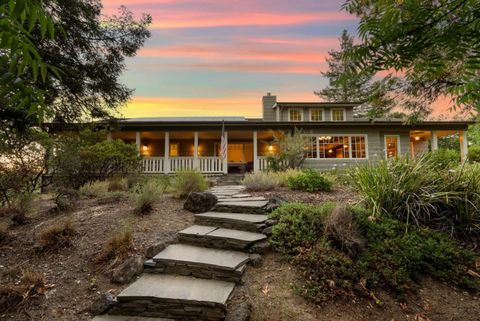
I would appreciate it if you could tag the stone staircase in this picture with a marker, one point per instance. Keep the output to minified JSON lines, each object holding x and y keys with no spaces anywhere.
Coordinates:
{"x":194,"y":279}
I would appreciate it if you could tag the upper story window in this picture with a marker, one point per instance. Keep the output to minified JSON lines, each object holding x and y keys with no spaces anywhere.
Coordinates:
{"x":316,"y":114}
{"x":295,"y":114}
{"x":338,"y":114}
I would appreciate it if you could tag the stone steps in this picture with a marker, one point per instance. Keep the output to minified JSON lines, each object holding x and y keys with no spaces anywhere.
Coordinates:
{"x":199,"y":262}
{"x":241,"y":206}
{"x":220,"y":238}
{"x":238,"y":221}
{"x":174,"y":296}
{"x":107,"y":317}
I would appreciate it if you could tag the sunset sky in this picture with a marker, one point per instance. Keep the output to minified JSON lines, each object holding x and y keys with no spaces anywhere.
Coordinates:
{"x":212,"y":57}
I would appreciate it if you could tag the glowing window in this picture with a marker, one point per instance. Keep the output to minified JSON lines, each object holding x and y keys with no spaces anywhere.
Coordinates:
{"x":295,"y":115}
{"x":338,"y":114}
{"x":174,"y":150}
{"x":316,"y":114}
{"x":391,"y":146}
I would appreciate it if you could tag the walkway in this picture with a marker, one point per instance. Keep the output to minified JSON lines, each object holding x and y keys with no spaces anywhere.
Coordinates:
{"x":194,"y":279}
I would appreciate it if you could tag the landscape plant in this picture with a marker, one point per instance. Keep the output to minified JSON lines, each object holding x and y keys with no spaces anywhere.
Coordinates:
{"x":474,"y":154}
{"x":146,"y":195}
{"x":261,"y":181}
{"x":188,"y":181}
{"x":57,"y":236}
{"x":309,"y":180}
{"x":118,"y":246}
{"x":444,"y":159}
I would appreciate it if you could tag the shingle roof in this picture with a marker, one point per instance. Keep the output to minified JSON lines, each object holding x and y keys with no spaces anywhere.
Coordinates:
{"x":316,"y":104}
{"x":183,"y":119}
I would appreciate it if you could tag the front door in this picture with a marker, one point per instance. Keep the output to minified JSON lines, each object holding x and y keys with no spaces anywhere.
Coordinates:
{"x":240,"y":157}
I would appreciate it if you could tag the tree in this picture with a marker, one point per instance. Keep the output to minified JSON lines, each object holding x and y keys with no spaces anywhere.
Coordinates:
{"x":436,"y":44}
{"x":348,"y":83}
{"x":291,"y":147}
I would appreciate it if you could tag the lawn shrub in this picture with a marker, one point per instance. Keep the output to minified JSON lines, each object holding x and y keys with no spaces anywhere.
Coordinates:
{"x":340,"y":228}
{"x":146,"y":195}
{"x":118,"y":246}
{"x":284,"y":176}
{"x":12,"y":296}
{"x":188,"y":181}
{"x":474,"y":154}
{"x":417,"y":191}
{"x":310,"y":181}
{"x":299,"y":225}
{"x":57,"y":236}
{"x":444,"y":158}
{"x":95,"y":189}
{"x":261,"y":181}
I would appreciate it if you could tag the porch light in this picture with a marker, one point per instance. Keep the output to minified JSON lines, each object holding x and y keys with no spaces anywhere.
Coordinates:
{"x":145,"y":148}
{"x":330,"y":151}
{"x":417,"y":138}
{"x":270,"y":148}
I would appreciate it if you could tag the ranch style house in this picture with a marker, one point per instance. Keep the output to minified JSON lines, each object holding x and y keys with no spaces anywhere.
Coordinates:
{"x":334,"y":138}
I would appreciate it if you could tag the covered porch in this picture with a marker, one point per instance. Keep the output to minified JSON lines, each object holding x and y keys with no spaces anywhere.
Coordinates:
{"x":171,"y":151}
{"x":422,"y":141}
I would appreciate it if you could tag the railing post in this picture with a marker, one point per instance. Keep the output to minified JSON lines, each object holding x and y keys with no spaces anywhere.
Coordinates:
{"x":463,"y":145}
{"x":434,"y":140}
{"x":195,"y":151}
{"x":166,"y":157}
{"x":255,"y":152}
{"x":225,"y":160}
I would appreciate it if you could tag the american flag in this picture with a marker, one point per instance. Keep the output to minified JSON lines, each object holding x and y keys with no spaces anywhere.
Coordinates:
{"x":223,"y":144}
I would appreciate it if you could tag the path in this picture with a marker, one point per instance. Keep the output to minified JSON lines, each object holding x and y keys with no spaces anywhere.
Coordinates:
{"x":194,"y":279}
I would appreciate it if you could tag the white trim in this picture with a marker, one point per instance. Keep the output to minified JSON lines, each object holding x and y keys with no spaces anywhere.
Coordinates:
{"x":399,"y":149}
{"x":166,"y":153}
{"x":463,"y":145}
{"x":349,"y":146}
{"x":196,"y":163}
{"x":138,"y":141}
{"x":301,"y":113}
{"x":344,"y":114}
{"x":255,"y":152}
{"x":434,"y":140}
{"x":310,"y":114}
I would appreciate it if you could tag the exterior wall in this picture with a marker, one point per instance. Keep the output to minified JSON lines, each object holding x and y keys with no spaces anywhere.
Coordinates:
{"x":269,"y":114}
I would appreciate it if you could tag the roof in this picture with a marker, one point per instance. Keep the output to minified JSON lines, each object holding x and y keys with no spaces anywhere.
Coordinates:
{"x":315,"y":104}
{"x":183,"y":119}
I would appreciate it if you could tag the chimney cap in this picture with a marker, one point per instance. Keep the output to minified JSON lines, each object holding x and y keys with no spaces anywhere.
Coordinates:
{"x":269,"y":94}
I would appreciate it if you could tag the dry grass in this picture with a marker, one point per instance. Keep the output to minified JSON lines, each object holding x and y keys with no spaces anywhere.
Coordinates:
{"x":261,"y":181}
{"x":341,"y":229}
{"x":119,"y":246}
{"x":146,"y":197}
{"x":95,"y":189}
{"x":3,"y":232}
{"x":56,"y":236}
{"x":13,"y":296}
{"x":117,"y":185}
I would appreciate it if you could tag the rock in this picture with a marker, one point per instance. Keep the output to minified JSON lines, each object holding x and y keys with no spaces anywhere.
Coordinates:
{"x":255,"y":260}
{"x":128,"y":269}
{"x":270,"y":222}
{"x":102,"y":304}
{"x":197,"y":202}
{"x":274,"y":202}
{"x":156,"y":248}
{"x":260,"y":247}
{"x":267,"y":231}
{"x":239,"y":312}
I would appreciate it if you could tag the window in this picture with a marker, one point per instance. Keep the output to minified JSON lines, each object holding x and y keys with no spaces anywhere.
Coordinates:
{"x":339,"y":146}
{"x":295,"y":114}
{"x":316,"y":114}
{"x":392,"y":146}
{"x":338,"y":114}
{"x":174,"y":150}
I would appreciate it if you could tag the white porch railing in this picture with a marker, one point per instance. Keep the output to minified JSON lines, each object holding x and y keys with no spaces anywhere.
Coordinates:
{"x":211,"y":164}
{"x":262,"y":163}
{"x":153,"y":165}
{"x":180,"y":163}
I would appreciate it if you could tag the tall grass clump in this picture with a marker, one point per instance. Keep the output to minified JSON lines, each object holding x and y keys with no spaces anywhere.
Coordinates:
{"x":444,"y":158}
{"x":57,"y":236}
{"x":261,"y":181}
{"x":145,"y":196}
{"x":284,"y":176}
{"x":118,"y":246}
{"x":94,"y":189}
{"x":421,"y":192}
{"x":188,"y":181}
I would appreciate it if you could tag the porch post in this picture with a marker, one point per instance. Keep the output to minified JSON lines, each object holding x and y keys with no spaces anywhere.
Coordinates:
{"x":109,"y":136}
{"x":463,"y":144}
{"x":195,"y":151}
{"x":255,"y":152}
{"x":225,"y":160}
{"x":434,"y":140}
{"x":166,"y":157}
{"x":138,"y":141}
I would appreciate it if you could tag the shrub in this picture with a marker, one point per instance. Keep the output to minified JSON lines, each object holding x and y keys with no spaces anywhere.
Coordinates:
{"x":444,"y":158}
{"x":113,"y":197}
{"x":146,"y":196}
{"x":22,"y":205}
{"x":56,"y":236}
{"x":261,"y":181}
{"x":118,"y":246}
{"x":65,"y":200}
{"x":299,"y":225}
{"x":188,"y":181}
{"x":283,"y":176}
{"x":94,"y":189}
{"x":474,"y":154}
{"x":310,"y":181}
{"x":117,"y":185}
{"x":341,"y":229}
{"x":32,"y":284}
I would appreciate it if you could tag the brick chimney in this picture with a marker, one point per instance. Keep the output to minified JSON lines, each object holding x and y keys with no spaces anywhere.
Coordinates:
{"x":268,"y":113}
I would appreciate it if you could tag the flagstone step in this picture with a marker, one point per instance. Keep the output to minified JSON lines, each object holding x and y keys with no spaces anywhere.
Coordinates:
{"x":241,"y":199}
{"x":220,"y":238}
{"x":201,"y":262}
{"x":252,"y":207}
{"x":238,"y":221}
{"x":107,"y":317}
{"x":176,"y":297}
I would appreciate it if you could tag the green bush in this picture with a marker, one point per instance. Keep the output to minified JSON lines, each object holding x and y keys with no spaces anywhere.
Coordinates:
{"x":146,"y":196}
{"x":94,"y":189}
{"x":474,"y":154}
{"x":444,"y":158}
{"x":188,"y":181}
{"x":298,"y":225}
{"x":284,"y":176}
{"x":418,"y":191}
{"x":261,"y":181}
{"x":310,"y":181}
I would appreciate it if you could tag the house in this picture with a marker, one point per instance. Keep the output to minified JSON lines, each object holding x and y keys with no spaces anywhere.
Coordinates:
{"x":333,"y":138}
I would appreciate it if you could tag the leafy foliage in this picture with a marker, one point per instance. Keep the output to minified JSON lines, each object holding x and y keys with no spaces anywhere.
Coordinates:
{"x":298,"y":225}
{"x":291,"y":149}
{"x":474,"y":154}
{"x":309,"y":180}
{"x":444,"y":158}
{"x":188,"y":181}
{"x":436,"y":45}
{"x":349,"y":83}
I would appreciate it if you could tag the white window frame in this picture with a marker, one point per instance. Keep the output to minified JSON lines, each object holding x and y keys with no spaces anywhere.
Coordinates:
{"x":349,"y":147}
{"x":344,"y":114}
{"x":298,"y":109}
{"x":319,"y":109}
{"x":385,"y":144}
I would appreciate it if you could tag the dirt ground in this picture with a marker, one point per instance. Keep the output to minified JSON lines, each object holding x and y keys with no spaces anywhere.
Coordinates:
{"x":272,"y":288}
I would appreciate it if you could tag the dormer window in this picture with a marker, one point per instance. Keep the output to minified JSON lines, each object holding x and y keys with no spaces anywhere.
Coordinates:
{"x":338,"y":114}
{"x":295,"y":114}
{"x":316,"y":114}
